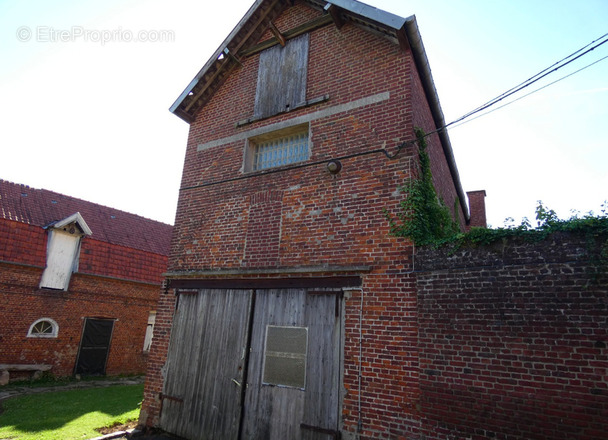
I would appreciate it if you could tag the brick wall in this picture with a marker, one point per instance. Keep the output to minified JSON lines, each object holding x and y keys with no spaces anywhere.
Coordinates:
{"x":512,"y":341}
{"x":113,"y":282}
{"x":27,"y":244}
{"x":305,"y":217}
{"x":422,"y":118}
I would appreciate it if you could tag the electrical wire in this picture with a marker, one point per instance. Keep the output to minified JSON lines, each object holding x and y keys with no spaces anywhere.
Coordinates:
{"x":543,"y":73}
{"x":530,"y":93}
{"x":540,"y":75}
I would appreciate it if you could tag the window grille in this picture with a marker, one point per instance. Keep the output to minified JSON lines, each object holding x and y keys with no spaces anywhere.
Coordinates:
{"x":281,"y":151}
{"x":285,"y":356}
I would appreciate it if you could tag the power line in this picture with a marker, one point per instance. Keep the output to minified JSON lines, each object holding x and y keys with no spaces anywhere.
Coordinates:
{"x":532,"y":92}
{"x":516,"y":89}
{"x":541,"y":72}
{"x":533,"y":79}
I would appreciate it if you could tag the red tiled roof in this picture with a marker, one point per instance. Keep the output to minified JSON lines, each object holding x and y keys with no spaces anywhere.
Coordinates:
{"x":41,"y":207}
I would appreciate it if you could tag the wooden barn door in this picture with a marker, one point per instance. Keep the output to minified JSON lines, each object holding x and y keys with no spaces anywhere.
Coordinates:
{"x":283,"y":343}
{"x":294,"y":367}
{"x":205,"y":364}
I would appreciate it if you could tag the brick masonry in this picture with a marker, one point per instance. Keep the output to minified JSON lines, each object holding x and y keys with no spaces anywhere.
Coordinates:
{"x":113,"y":281}
{"x":296,"y":219}
{"x":512,"y":340}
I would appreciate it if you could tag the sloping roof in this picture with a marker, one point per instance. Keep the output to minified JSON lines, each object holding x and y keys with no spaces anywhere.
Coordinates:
{"x":42,"y":208}
{"x":243,"y":41}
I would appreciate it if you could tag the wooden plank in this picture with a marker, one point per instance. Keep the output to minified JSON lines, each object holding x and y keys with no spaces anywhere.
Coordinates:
{"x":310,"y":26}
{"x":61,"y":254}
{"x":25,"y":367}
{"x":272,"y":412}
{"x":266,"y":283}
{"x":235,"y":49}
{"x":278,"y":412}
{"x":205,"y":365}
{"x":332,"y":432}
{"x":277,"y":34}
{"x":403,"y":41}
{"x":281,"y":83}
{"x":307,"y":103}
{"x":334,"y":12}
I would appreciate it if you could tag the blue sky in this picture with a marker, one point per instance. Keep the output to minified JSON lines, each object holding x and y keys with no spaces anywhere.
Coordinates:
{"x":90,"y":119}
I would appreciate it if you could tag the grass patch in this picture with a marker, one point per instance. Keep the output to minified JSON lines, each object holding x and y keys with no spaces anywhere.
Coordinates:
{"x":68,"y":415}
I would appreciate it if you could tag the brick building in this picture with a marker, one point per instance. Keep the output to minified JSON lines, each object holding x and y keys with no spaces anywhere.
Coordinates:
{"x":79,"y":283}
{"x":290,"y":310}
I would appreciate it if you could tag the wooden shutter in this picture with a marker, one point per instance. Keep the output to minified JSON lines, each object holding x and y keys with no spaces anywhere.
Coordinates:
{"x":282,"y":77}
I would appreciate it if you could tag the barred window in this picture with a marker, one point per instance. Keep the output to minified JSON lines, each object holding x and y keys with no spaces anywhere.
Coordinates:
{"x":282,"y":151}
{"x":278,"y":148}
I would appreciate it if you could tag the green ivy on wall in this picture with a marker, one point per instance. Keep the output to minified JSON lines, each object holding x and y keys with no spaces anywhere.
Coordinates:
{"x":423,"y":216}
{"x":425,"y":219}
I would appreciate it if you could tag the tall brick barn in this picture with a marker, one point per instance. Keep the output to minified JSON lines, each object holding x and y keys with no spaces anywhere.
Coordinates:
{"x":79,"y":285}
{"x":290,"y":309}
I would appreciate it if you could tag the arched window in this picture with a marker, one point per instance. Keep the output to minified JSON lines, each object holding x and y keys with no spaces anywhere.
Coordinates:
{"x":43,"y":328}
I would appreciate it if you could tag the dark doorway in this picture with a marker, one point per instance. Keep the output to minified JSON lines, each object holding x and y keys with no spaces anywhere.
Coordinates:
{"x":94,"y":347}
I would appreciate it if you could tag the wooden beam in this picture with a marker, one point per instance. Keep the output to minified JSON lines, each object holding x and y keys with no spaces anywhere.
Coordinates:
{"x":317,"y":23}
{"x":265,"y":283}
{"x":218,"y":70}
{"x":308,"y":103}
{"x":258,"y":22}
{"x":334,"y":12}
{"x":403,"y":41}
{"x":277,"y":34}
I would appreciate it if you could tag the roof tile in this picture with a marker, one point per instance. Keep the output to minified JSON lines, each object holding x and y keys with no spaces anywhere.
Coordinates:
{"x":41,"y":207}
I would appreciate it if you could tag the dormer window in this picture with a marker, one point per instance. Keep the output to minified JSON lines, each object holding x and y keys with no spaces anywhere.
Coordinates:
{"x":63,"y":248}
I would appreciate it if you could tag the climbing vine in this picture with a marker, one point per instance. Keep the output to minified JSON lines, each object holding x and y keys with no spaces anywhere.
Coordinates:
{"x":423,"y":216}
{"x":426,"y":220}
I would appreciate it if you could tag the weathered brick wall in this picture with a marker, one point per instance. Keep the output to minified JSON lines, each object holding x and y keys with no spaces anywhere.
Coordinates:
{"x":22,"y":303}
{"x":422,"y":118}
{"x":27,"y":244}
{"x":112,"y":282}
{"x":512,"y":341}
{"x":306,"y":217}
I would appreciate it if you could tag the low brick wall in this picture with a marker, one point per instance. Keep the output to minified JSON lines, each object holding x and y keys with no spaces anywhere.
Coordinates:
{"x":513,"y":340}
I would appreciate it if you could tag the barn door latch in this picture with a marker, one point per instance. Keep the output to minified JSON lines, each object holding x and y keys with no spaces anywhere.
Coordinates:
{"x":237,"y":382}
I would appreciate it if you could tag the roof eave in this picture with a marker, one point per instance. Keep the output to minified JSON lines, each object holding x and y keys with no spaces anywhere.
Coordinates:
{"x":424,"y":70}
{"x":214,"y":58}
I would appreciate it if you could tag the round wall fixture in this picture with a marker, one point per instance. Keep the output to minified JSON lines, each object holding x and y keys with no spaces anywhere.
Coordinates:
{"x":334,"y":166}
